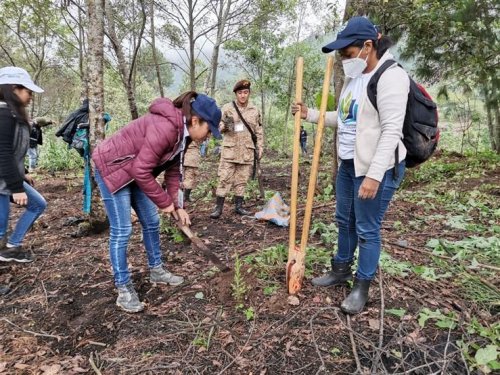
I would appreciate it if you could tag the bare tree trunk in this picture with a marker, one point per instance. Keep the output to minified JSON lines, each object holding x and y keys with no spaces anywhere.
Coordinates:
{"x":153,"y":46}
{"x":214,"y":64}
{"x":122,"y":64}
{"x":192,"y":62}
{"x":95,"y":66}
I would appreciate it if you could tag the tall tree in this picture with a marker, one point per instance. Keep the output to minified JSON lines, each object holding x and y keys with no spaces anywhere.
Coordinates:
{"x":450,"y":41}
{"x":230,"y":17}
{"x":193,"y":19}
{"x":95,"y":66}
{"x":127,"y":70}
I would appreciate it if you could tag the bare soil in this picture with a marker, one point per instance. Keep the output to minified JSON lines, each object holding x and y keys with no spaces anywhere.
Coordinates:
{"x":60,"y":315}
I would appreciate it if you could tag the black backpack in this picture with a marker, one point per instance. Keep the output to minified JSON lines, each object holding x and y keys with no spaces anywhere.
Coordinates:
{"x":420,"y":127}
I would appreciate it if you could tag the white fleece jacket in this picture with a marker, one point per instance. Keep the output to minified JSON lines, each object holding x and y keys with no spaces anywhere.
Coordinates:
{"x":377,"y":133}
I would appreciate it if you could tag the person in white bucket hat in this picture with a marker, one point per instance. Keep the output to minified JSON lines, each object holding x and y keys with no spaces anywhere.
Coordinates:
{"x":16,"y":92}
{"x":12,"y":75}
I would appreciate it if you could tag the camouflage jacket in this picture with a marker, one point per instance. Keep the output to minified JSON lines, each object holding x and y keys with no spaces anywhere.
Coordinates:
{"x":192,"y":157}
{"x":237,"y":146}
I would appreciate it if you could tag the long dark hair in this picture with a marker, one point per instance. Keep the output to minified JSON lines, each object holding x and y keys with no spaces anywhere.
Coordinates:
{"x":16,"y":106}
{"x":183,"y":102}
{"x":381,"y":45}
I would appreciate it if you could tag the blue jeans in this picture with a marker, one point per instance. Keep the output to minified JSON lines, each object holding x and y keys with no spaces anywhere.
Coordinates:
{"x":359,"y":220}
{"x":35,"y":207}
{"x":33,"y":157}
{"x":118,"y":208}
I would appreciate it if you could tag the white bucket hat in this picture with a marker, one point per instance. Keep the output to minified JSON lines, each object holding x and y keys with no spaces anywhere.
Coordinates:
{"x":18,"y":76}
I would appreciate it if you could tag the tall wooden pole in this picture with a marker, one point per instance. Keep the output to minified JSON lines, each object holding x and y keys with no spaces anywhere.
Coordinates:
{"x":295,"y":270}
{"x":292,"y":250}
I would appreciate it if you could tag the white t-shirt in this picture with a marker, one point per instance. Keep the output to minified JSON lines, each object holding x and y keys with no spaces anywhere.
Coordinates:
{"x":348,"y":113}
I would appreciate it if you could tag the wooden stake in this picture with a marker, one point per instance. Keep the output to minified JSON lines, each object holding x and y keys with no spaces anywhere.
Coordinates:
{"x":295,"y":169}
{"x":296,"y":264}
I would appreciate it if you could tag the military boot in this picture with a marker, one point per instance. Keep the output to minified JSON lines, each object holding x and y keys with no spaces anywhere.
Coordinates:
{"x":340,"y":274}
{"x":218,"y":208}
{"x":356,"y":300}
{"x":128,"y":299}
{"x":187,"y":195}
{"x":160,"y":275}
{"x":238,"y":203}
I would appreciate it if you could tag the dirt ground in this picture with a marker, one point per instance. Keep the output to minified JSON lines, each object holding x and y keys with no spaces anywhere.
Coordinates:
{"x":60,"y":315}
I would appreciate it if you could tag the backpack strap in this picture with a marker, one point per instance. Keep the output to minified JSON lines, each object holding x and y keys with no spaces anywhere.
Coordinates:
{"x":372,"y":84}
{"x":372,"y":96}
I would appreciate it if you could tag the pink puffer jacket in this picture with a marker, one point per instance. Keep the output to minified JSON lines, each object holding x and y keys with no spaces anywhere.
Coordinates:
{"x":140,"y":148}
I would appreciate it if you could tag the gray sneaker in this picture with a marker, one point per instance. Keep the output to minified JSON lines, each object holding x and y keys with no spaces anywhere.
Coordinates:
{"x":15,"y":254}
{"x":161,"y":276}
{"x":128,"y":299}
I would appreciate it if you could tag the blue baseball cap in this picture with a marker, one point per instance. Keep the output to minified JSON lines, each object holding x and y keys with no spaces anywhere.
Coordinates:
{"x":357,"y":28}
{"x":207,"y":109}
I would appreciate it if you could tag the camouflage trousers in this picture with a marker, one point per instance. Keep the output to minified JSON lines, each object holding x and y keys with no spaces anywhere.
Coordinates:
{"x":233,"y":175}
{"x":190,"y":178}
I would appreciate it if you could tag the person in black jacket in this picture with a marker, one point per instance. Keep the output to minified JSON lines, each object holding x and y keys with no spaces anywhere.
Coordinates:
{"x":36,"y":139}
{"x":303,"y":140}
{"x":16,"y":91}
{"x":69,"y":126}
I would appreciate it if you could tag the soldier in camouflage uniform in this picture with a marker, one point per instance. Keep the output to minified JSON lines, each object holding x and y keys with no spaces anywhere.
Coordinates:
{"x":238,"y":149}
{"x":192,"y":160}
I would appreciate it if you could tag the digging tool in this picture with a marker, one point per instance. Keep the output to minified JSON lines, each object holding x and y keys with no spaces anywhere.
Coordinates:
{"x":293,"y":249}
{"x":296,"y":255}
{"x":200,"y":245}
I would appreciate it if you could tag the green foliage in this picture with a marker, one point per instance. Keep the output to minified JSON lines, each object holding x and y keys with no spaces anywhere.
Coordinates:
{"x":394,"y":267}
{"x":445,"y":321}
{"x":484,"y":356}
{"x":330,"y":104}
{"x":396,"y":312}
{"x":327,"y":232}
{"x":270,"y":262}
{"x":239,"y":287}
{"x":171,"y":230}
{"x":55,"y":155}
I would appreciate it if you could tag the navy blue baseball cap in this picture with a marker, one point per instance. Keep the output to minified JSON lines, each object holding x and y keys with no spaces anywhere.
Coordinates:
{"x":207,"y":109}
{"x":357,"y":28}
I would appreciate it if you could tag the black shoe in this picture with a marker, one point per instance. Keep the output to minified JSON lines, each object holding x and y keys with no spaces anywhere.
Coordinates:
{"x":15,"y":254}
{"x":238,"y":202}
{"x":340,"y":274}
{"x":356,"y":300}
{"x":218,"y":208}
{"x":187,"y":195}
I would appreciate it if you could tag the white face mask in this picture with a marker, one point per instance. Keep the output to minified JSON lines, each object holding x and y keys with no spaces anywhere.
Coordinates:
{"x":355,"y":66}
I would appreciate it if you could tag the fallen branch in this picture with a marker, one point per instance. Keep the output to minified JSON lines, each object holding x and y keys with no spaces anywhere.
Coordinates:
{"x":58,"y":338}
{"x":353,"y":344}
{"x":322,"y":367}
{"x":93,"y":365}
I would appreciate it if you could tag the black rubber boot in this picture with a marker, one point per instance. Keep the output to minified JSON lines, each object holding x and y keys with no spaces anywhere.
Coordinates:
{"x":340,"y":274}
{"x":219,"y":205}
{"x":238,"y":201}
{"x":187,"y":195}
{"x":356,"y":300}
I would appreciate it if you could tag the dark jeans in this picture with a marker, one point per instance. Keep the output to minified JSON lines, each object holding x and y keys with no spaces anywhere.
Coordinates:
{"x":359,"y":220}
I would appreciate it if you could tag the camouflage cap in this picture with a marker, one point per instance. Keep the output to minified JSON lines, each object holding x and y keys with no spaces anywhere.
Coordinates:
{"x":244,"y":84}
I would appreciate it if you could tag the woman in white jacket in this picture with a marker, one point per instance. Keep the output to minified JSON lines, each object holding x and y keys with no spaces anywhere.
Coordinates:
{"x":368,"y":140}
